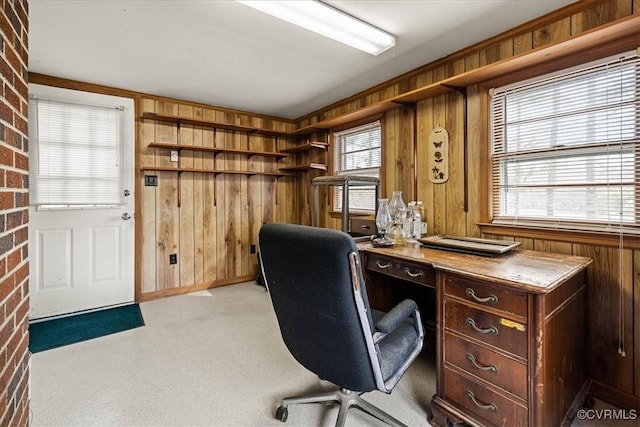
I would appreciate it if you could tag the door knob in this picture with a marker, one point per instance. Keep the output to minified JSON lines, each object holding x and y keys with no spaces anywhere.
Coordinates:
{"x":126,"y":216}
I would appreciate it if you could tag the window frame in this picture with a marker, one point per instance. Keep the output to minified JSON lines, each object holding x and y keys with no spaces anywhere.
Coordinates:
{"x":537,"y":231}
{"x":371,"y":121}
{"x":575,"y":157}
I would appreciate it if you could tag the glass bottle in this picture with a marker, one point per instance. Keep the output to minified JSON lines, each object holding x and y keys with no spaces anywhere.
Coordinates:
{"x":383,"y":217}
{"x":396,"y":206}
{"x":423,"y":220}
{"x":416,"y":220}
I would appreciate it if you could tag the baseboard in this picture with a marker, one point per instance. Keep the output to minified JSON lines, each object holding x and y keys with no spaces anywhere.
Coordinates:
{"x":577,"y":403}
{"x":193,"y":288}
{"x":615,"y":396}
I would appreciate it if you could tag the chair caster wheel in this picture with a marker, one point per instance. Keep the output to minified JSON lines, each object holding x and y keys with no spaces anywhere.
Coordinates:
{"x":282,"y":413}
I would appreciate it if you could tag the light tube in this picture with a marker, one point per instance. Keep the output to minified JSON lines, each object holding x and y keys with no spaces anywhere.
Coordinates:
{"x":329,"y":22}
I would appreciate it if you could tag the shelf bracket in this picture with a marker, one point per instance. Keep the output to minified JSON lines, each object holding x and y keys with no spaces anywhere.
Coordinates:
{"x":215,"y":197}
{"x":275,"y":190}
{"x":178,"y":188}
{"x":460,"y":89}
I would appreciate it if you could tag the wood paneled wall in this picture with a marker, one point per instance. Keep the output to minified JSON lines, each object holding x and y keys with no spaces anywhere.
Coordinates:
{"x":614,"y":277}
{"x":209,"y":220}
{"x":398,"y":153}
{"x":445,"y":202}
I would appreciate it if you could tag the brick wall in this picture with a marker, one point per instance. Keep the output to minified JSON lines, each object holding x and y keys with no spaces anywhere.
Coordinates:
{"x":14,"y":215}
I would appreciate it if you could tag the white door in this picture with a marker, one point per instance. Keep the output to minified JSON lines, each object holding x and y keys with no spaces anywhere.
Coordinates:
{"x":81,"y":257}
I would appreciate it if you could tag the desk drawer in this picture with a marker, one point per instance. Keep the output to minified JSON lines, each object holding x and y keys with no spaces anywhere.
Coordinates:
{"x":489,"y":328}
{"x":412,"y":272}
{"x":491,"y":366}
{"x":480,"y":293}
{"x":485,"y":403}
{"x":362,"y":227}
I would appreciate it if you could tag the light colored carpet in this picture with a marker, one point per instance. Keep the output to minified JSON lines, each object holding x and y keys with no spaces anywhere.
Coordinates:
{"x":213,"y":358}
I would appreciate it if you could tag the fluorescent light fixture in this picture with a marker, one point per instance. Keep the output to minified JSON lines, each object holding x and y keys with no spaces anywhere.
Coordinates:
{"x":328,"y":21}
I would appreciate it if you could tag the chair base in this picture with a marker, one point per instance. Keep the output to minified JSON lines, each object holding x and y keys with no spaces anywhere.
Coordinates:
{"x":346,"y":399}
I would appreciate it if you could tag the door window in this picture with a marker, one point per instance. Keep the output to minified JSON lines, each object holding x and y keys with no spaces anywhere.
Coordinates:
{"x":76,"y":151}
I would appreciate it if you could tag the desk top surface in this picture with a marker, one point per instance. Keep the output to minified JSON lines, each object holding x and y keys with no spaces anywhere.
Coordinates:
{"x":532,"y":271}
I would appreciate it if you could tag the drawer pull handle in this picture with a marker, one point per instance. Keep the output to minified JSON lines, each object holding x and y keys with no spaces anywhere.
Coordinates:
{"x":420,"y":273}
{"x":383,"y":266}
{"x":490,"y":330}
{"x":489,"y":406}
{"x":490,"y":368}
{"x":491,"y":298}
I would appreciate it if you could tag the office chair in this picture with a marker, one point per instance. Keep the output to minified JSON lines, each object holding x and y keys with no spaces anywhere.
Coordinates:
{"x":315,"y":282}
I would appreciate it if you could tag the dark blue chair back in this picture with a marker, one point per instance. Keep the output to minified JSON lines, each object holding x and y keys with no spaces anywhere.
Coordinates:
{"x":308,"y":273}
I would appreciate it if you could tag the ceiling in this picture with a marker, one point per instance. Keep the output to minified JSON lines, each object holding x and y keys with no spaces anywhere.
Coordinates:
{"x":226,"y":54}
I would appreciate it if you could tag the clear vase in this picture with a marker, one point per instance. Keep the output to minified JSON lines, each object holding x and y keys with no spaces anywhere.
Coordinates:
{"x":383,"y":217}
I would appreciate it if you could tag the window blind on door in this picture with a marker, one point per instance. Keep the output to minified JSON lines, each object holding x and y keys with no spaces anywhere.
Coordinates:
{"x":76,"y":154}
{"x":565,"y":147}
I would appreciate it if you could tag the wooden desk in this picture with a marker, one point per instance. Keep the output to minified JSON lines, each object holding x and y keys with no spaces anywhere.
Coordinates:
{"x":510,"y":330}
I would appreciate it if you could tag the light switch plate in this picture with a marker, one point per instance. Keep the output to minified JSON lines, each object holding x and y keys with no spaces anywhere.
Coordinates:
{"x":151,"y":180}
{"x":174,"y":155}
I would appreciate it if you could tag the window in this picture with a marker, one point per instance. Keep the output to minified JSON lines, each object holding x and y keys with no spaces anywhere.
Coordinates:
{"x":566,"y":148}
{"x":358,"y":152}
{"x":75,"y":158}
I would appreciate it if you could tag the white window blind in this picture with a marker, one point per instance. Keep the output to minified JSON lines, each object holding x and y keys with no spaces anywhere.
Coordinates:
{"x":75,"y":156}
{"x":566,"y":148}
{"x":358,"y":152}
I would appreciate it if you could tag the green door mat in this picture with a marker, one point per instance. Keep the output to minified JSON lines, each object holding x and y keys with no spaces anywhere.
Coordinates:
{"x":58,"y":332}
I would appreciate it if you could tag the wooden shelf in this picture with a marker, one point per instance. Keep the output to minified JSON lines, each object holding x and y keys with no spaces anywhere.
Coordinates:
{"x":216,"y":150}
{"x":171,"y":146}
{"x":213,"y":125}
{"x":306,"y":147}
{"x":362,"y":113}
{"x":213,"y":171}
{"x":309,"y":166}
{"x":178,"y":121}
{"x":623,"y":33}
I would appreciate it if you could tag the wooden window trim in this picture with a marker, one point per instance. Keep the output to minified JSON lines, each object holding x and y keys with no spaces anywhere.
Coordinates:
{"x":332,"y":167}
{"x":629,"y":241}
{"x":604,"y":238}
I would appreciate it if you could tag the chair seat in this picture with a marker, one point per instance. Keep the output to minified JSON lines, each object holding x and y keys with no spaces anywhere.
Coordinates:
{"x":395,"y":348}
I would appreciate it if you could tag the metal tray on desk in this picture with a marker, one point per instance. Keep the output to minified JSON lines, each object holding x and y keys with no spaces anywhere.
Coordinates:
{"x":470,"y":245}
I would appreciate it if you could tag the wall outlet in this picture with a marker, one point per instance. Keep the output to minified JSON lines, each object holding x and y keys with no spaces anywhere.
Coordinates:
{"x":173,"y":259}
{"x":253,"y":249}
{"x":174,"y":155}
